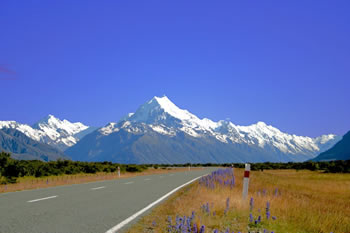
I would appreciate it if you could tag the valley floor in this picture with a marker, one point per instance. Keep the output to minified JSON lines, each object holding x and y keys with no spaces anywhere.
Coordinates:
{"x":286,"y":201}
{"x":27,"y":183}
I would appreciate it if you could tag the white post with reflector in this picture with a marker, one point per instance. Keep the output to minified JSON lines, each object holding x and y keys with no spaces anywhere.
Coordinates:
{"x":246,"y":180}
{"x":118,"y":172}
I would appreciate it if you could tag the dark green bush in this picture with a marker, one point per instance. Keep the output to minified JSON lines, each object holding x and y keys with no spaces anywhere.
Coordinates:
{"x":11,"y":169}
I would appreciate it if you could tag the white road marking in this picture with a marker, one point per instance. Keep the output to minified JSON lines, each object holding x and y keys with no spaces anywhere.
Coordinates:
{"x":41,"y":199}
{"x":102,"y":187}
{"x":129,"y":182}
{"x":148,"y":179}
{"x":171,"y":174}
{"x":132,"y":217}
{"x":161,"y":177}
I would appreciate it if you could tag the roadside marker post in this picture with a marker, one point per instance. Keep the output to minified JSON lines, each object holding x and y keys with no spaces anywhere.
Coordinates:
{"x":118,"y":172}
{"x":246,"y":180}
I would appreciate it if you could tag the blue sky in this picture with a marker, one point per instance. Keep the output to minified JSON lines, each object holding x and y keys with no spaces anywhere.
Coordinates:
{"x":286,"y":63}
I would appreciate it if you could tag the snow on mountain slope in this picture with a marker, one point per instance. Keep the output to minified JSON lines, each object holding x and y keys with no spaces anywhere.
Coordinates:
{"x":109,"y":128}
{"x":166,"y":118}
{"x":50,"y":130}
{"x":24,"y":128}
{"x":50,"y":125}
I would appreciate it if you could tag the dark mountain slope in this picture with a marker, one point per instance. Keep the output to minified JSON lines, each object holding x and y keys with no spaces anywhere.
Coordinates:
{"x":340,"y":151}
{"x":23,"y":147}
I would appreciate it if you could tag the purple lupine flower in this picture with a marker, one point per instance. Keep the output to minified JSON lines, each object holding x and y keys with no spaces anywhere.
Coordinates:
{"x":169,"y":220}
{"x":154,"y":223}
{"x":207,"y":208}
{"x":216,"y":231}
{"x":189,"y":223}
{"x":202,"y":230}
{"x":250,"y":217}
{"x":193,"y":215}
{"x":259,"y":219}
{"x":267,"y":210}
{"x":214,"y":213}
{"x":251,"y":203}
{"x":276,"y":192}
{"x":195,"y":229}
{"x":274,"y":218}
{"x":184,"y":229}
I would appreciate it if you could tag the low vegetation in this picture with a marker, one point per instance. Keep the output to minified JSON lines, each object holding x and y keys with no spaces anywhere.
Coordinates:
{"x":11,"y":169}
{"x":293,"y":201}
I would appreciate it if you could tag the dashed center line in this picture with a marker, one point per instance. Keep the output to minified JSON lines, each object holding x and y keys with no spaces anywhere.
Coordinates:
{"x":147,"y":179}
{"x":129,"y":182}
{"x":161,"y":177}
{"x":171,"y":174}
{"x":102,"y":187}
{"x":41,"y":199}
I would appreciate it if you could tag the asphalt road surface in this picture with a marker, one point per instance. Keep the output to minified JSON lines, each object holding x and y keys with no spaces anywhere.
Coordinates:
{"x":92,"y":207}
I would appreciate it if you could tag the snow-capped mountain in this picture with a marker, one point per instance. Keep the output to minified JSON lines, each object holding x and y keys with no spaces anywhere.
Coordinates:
{"x":51,"y":130}
{"x":164,"y":122}
{"x":22,"y":147}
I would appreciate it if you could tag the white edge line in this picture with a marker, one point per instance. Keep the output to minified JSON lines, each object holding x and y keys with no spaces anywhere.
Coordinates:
{"x":132,"y":217}
{"x":102,"y":187}
{"x":41,"y":199}
{"x":131,"y":182}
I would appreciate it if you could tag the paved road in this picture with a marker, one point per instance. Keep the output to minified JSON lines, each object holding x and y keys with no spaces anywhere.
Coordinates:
{"x":92,"y":207}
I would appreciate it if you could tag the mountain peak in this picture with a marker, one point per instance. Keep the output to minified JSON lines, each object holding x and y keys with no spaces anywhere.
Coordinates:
{"x":49,"y":118}
{"x":169,"y":107}
{"x":157,"y":110}
{"x":165,"y":103}
{"x":261,"y":124}
{"x":164,"y":98}
{"x":51,"y":125}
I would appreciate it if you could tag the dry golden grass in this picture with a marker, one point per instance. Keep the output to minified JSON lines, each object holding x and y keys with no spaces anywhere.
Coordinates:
{"x":307,"y":202}
{"x":25,"y":183}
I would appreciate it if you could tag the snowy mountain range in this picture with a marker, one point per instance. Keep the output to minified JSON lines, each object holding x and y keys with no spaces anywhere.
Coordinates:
{"x":22,"y":147}
{"x":161,"y":132}
{"x":52,"y":131}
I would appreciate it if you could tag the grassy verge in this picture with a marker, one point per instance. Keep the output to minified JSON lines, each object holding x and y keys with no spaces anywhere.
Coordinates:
{"x":30,"y":182}
{"x":299,"y":202}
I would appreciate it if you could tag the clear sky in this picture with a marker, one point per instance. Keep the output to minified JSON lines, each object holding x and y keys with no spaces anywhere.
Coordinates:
{"x":286,"y":63}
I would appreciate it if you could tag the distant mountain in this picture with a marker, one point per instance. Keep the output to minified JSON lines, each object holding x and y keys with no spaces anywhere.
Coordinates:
{"x":22,"y":147}
{"x":340,"y":151}
{"x":51,"y":130}
{"x":160,"y":132}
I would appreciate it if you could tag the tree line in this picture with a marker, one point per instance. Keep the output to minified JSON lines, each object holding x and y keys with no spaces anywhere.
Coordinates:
{"x":11,"y":169}
{"x":337,"y":166}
